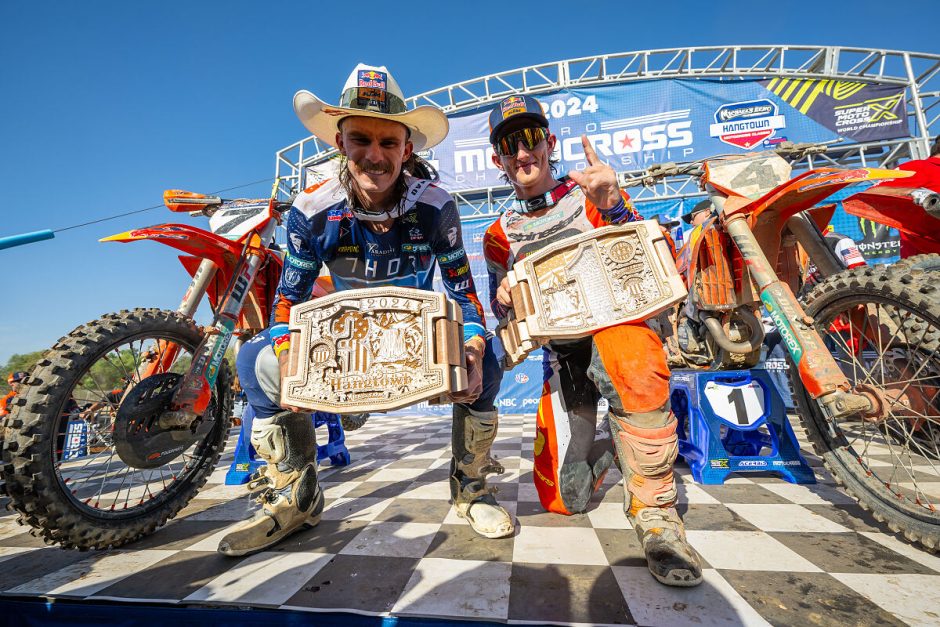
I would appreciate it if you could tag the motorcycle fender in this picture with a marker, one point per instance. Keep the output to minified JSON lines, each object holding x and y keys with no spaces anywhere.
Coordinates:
{"x":188,"y":239}
{"x":808,"y":189}
{"x":894,"y":207}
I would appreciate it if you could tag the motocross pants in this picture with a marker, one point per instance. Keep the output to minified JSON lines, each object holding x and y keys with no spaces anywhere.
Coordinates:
{"x":626,"y":365}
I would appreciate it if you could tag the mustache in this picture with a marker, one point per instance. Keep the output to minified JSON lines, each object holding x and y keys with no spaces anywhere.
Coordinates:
{"x":383,"y":167}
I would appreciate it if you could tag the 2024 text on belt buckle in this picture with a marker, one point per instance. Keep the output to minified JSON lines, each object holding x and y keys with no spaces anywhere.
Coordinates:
{"x":588,"y":282}
{"x":374,"y":349}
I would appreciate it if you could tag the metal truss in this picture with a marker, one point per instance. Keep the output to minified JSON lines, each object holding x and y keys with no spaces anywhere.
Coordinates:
{"x":919,"y":72}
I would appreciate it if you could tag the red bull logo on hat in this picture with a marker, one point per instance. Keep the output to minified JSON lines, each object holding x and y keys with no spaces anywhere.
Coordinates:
{"x":511,"y":106}
{"x":371,"y":78}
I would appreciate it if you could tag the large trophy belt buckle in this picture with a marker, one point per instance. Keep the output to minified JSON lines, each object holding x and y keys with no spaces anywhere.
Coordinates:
{"x":588,"y":282}
{"x":374,"y":349}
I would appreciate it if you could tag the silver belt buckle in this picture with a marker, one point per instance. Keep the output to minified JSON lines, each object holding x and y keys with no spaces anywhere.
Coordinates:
{"x":374,"y":349}
{"x":588,"y":282}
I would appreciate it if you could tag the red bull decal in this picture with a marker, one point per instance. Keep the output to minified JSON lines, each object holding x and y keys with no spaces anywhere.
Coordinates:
{"x":371,"y":78}
{"x":511,"y":106}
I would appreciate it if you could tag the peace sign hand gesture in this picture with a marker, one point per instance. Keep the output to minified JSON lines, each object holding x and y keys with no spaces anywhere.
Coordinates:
{"x":598,"y":181}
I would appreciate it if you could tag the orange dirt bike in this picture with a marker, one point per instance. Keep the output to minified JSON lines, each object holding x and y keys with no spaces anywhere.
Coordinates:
{"x":864,"y":353}
{"x":124,"y":419}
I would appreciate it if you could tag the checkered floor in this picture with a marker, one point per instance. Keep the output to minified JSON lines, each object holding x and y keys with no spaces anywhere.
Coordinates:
{"x":389,"y":544}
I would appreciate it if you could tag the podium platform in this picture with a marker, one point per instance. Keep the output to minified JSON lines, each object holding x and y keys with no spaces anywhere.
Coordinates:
{"x":391,"y":551}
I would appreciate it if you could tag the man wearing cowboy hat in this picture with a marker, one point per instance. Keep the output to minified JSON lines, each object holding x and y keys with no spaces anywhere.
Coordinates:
{"x":376,"y":224}
{"x":625,"y":363}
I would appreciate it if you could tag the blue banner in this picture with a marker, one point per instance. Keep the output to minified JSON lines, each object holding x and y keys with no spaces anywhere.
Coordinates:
{"x":634,"y":125}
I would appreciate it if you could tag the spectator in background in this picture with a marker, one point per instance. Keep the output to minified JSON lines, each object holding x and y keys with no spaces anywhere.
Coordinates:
{"x":845,"y":251}
{"x":6,"y":403}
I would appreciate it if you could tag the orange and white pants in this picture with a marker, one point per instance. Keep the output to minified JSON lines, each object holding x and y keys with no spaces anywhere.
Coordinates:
{"x":626,"y":365}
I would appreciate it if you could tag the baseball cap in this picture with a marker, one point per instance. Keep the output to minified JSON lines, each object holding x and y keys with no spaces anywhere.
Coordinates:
{"x":699,"y":206}
{"x":16,"y":377}
{"x":513,"y":109}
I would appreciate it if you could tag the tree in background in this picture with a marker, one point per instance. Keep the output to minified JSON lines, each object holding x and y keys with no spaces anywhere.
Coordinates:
{"x":105,"y":375}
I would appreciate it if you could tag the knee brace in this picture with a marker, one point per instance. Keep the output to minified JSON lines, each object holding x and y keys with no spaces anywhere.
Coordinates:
{"x":649,"y":452}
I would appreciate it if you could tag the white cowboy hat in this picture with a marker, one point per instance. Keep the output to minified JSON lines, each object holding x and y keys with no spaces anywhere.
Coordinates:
{"x":370,"y":92}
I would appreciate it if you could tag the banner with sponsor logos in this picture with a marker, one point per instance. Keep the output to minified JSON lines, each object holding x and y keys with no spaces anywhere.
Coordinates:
{"x":633,"y":125}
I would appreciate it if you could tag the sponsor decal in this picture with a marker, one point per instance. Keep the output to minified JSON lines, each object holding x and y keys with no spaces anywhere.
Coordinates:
{"x":349,"y":249}
{"x":452,"y":235}
{"x":410,"y":218}
{"x":453,"y":273}
{"x":789,"y":462}
{"x":718,"y":463}
{"x":462,"y":285}
{"x":750,"y":463}
{"x":747,"y":124}
{"x":452,"y":256}
{"x":783,"y":326}
{"x":292,"y":277}
{"x":295,"y":241}
{"x":303,"y":264}
{"x":511,"y":106}
{"x":415,"y":234}
{"x":374,"y":250}
{"x":522,"y":377}
{"x":506,"y":402}
{"x":833,"y":178}
{"x":416,"y":248}
{"x":371,"y":78}
{"x":334,"y":215}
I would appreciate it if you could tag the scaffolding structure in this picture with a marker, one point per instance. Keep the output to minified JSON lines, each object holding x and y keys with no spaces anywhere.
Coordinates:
{"x":918,"y":72}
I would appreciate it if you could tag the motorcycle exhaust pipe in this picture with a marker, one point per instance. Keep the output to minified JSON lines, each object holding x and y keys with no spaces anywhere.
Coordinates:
{"x":927,"y":199}
{"x":724,"y":341}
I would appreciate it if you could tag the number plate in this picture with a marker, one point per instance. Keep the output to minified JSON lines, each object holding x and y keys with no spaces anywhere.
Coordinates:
{"x":375,"y":349}
{"x":740,"y":405}
{"x":585,"y":283}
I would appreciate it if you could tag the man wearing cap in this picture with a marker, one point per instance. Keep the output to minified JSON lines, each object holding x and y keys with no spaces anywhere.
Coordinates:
{"x":376,"y":224}
{"x":14,"y":380}
{"x":625,"y":364}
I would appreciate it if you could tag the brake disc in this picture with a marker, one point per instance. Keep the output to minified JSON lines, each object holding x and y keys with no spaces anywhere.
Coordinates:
{"x":139,"y":440}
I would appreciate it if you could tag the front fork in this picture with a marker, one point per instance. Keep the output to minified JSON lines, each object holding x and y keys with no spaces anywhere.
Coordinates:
{"x":818,"y":370}
{"x":195,"y":391}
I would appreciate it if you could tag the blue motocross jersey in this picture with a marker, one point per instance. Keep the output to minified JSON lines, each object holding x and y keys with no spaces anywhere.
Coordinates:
{"x":321,"y":229}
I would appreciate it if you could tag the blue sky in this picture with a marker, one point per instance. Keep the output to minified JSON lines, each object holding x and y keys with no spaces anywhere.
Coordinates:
{"x":106,"y":104}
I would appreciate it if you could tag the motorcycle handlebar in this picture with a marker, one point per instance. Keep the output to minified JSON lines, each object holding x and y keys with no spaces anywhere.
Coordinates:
{"x":798,"y":151}
{"x":660,"y":171}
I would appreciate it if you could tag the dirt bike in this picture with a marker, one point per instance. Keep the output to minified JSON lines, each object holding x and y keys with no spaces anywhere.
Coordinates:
{"x":152,"y":387}
{"x":864,"y":353}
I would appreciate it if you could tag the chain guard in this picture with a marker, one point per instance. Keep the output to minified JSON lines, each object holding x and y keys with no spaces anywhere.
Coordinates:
{"x":139,"y":440}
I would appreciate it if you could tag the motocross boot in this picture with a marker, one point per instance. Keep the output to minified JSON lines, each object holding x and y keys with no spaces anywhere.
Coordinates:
{"x":646,"y":454}
{"x":287,"y":488}
{"x":472,"y":435}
